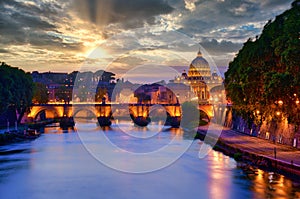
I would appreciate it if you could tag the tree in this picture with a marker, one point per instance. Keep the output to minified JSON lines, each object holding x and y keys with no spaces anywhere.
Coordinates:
{"x":263,"y":79}
{"x":104,"y":76}
{"x":40,"y":93}
{"x":16,"y":90}
{"x":101,"y":92}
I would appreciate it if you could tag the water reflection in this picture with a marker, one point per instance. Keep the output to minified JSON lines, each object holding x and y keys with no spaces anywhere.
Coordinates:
{"x":129,"y":137}
{"x":55,"y":129}
{"x":176,"y":133}
{"x":271,"y":185}
{"x":14,"y":158}
{"x":57,"y":161}
{"x":266,"y":184}
{"x":225,"y":174}
{"x":219,"y":169}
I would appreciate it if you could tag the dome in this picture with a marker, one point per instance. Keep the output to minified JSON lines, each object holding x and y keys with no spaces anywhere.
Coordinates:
{"x":201,"y":65}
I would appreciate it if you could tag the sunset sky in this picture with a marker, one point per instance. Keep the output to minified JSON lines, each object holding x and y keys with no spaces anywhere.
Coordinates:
{"x":67,"y":35}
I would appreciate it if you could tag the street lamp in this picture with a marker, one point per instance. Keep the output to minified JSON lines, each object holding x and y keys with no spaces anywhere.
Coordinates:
{"x":278,"y":113}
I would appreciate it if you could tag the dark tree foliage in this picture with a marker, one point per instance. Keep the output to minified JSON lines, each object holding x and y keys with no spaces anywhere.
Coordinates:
{"x":16,"y":89}
{"x":100,"y":93}
{"x":40,"y":93}
{"x":104,"y":76}
{"x":263,"y":81}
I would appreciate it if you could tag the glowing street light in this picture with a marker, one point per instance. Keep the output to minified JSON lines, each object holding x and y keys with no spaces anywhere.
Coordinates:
{"x":280,"y":102}
{"x":278,"y":113}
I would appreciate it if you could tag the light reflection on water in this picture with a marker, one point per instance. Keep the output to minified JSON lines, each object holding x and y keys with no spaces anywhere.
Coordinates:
{"x":56,"y":165}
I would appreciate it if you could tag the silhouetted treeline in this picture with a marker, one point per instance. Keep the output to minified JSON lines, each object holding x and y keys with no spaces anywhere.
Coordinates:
{"x":16,"y":91}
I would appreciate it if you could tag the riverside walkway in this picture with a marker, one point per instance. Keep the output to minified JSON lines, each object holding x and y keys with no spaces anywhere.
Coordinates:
{"x":287,"y":158}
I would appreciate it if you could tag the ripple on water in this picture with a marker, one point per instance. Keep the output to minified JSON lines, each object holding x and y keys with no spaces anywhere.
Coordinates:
{"x":56,"y":165}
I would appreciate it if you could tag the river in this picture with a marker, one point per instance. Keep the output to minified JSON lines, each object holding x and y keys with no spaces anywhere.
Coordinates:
{"x":59,"y":164}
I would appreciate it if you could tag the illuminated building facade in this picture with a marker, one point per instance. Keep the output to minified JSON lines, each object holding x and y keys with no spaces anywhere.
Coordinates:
{"x":200,"y":79}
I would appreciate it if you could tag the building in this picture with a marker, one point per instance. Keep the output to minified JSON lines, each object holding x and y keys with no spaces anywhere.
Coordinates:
{"x":201,"y":79}
{"x":155,"y":94}
{"x":60,"y":86}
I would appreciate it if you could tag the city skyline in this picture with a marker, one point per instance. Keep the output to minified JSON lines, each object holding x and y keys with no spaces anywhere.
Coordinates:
{"x":63,"y":36}
{"x":150,"y":99}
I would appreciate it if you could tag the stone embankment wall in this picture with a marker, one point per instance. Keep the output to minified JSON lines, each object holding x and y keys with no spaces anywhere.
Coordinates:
{"x":277,"y":132}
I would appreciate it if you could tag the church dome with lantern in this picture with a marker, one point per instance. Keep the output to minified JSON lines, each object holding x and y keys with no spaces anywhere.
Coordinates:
{"x":199,"y":66}
{"x":200,"y":78}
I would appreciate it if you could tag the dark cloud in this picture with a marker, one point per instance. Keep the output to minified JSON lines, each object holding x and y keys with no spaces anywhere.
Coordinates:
{"x":40,"y":8}
{"x":129,"y":13}
{"x":213,"y":46}
{"x":193,"y":26}
{"x":4,"y":51}
{"x":213,"y":15}
{"x":130,"y":61}
{"x":39,"y":22}
{"x":275,"y":3}
{"x":22,"y":23}
{"x":51,"y":42}
{"x":31,"y":21}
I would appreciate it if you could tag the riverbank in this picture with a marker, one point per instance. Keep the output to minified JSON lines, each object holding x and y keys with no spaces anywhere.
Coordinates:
{"x":23,"y":132}
{"x":18,"y":136}
{"x":255,"y":151}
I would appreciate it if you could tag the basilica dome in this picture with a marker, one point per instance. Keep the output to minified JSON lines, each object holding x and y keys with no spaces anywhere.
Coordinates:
{"x":200,"y":65}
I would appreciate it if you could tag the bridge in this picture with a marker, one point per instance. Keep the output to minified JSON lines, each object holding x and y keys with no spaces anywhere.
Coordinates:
{"x":139,"y":113}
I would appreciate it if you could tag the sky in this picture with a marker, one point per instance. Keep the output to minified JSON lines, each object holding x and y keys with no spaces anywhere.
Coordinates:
{"x":119,"y":35}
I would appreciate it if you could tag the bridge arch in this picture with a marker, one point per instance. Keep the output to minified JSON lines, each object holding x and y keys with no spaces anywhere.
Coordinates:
{"x":173,"y":110}
{"x":49,"y":114}
{"x":84,"y":112}
{"x":204,"y":116}
{"x":208,"y":110}
{"x":50,"y":111}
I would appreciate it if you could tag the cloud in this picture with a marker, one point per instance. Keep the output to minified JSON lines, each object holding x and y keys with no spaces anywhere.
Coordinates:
{"x":129,"y":13}
{"x":215,"y":47}
{"x":4,"y":51}
{"x":23,"y":23}
{"x":190,"y":5}
{"x":229,"y":16}
{"x":26,"y":28}
{"x":52,"y":33}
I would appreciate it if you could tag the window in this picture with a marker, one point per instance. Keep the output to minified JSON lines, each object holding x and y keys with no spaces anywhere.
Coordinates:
{"x":267,"y":135}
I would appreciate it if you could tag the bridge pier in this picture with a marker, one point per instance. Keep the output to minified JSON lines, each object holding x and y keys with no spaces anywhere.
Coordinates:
{"x":174,"y":115}
{"x":66,"y":122}
{"x":104,"y":121}
{"x":139,"y":113}
{"x":173,"y":121}
{"x":104,"y":114}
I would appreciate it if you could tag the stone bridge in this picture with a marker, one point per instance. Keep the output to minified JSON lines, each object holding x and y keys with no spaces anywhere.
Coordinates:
{"x":103,"y":112}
